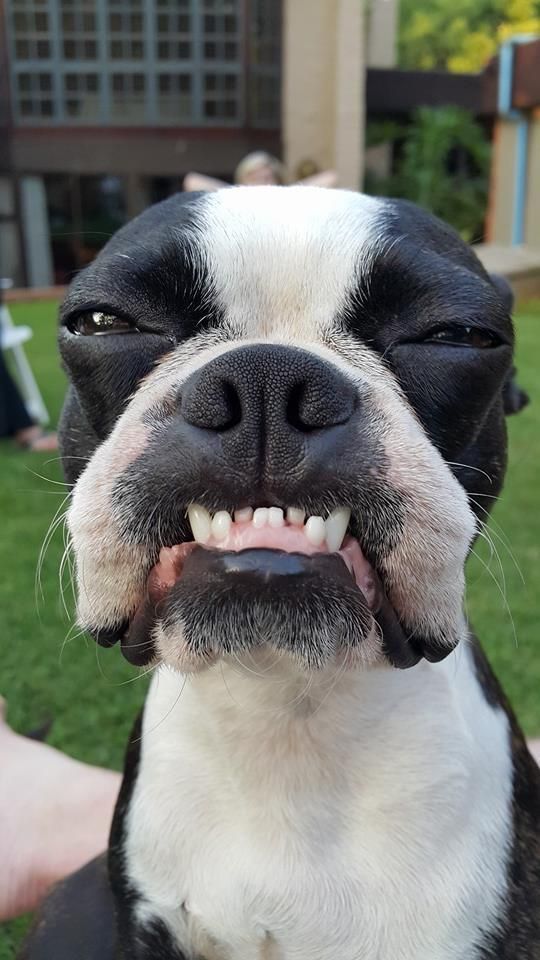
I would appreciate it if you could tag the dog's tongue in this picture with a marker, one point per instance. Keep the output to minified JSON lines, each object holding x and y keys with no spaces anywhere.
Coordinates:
{"x":244,"y":536}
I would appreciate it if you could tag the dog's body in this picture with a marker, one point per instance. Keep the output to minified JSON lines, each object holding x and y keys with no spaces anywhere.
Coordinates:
{"x":325,"y":768}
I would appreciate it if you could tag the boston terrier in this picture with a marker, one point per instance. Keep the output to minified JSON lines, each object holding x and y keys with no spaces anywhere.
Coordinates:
{"x":285,"y":428}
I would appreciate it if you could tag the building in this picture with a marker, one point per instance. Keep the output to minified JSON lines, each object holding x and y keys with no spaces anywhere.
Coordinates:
{"x":106,"y":104}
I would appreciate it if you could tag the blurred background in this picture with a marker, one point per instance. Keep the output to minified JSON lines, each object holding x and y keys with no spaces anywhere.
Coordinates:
{"x":106,"y":105}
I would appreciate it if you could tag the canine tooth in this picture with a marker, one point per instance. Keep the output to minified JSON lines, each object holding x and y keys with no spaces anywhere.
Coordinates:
{"x":315,"y":531}
{"x":200,"y":521}
{"x":243,"y":516}
{"x":260,"y":517}
{"x":221,"y":524}
{"x":296,"y":516}
{"x":275,"y":517}
{"x":336,"y":527}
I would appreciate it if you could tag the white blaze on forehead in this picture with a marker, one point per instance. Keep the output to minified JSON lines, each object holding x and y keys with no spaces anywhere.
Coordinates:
{"x":282,"y":259}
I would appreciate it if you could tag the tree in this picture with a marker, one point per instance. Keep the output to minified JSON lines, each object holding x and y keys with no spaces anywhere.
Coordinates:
{"x":461,"y":35}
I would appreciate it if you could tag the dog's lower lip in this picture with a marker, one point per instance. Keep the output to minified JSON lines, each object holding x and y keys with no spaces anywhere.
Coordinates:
{"x":168,"y":570}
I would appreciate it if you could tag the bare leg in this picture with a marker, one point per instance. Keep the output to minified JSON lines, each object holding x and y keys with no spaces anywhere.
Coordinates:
{"x":55,"y":814}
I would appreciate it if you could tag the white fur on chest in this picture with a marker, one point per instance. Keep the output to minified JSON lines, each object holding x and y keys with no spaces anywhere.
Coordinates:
{"x":373,"y":825}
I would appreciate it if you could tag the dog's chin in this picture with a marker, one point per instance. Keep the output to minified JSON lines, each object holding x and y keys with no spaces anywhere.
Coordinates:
{"x":227,"y":604}
{"x":204,"y":605}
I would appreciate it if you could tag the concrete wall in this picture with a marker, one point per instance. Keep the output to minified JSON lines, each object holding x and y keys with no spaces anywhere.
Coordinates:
{"x":36,"y":232}
{"x":121,"y":152}
{"x":323,"y":75}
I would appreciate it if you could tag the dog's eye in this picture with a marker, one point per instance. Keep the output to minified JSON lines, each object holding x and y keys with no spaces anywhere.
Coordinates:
{"x":458,"y":335}
{"x":97,"y":323}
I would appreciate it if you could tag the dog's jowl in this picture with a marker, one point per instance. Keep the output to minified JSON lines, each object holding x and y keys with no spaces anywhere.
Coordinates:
{"x":284,"y":427}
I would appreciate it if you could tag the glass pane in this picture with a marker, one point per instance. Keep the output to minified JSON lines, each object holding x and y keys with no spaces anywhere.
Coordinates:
{"x":22,"y":49}
{"x":20,"y":22}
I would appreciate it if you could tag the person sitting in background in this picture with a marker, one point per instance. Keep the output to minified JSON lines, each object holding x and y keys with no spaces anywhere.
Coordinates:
{"x":262,"y":169}
{"x":15,"y":421}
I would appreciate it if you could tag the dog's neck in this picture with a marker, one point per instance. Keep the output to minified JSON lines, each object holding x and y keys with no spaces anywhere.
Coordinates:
{"x":266,"y":715}
{"x":251,"y":785}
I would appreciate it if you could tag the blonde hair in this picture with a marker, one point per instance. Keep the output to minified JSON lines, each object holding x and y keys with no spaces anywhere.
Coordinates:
{"x":260,"y":158}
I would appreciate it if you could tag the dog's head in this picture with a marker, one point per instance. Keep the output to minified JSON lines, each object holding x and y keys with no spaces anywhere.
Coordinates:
{"x":333,"y":362}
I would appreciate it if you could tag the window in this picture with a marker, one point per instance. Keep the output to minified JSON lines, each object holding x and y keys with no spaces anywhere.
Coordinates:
{"x":222,"y":67}
{"x":128,"y":101}
{"x":174,"y":25}
{"x":264,"y":77}
{"x":175,"y":102}
{"x":30,"y":26}
{"x":78,"y":21}
{"x":81,"y":96}
{"x":126,"y":30}
{"x":139,"y":62}
{"x":34,"y":95}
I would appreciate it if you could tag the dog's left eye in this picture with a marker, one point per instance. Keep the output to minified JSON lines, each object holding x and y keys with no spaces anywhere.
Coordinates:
{"x":97,"y":323}
{"x":458,"y":335}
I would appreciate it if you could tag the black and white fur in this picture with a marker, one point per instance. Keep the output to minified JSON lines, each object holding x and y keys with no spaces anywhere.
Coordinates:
{"x":281,"y":803}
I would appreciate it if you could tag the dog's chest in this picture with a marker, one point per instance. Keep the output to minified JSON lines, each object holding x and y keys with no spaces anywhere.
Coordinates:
{"x":372,"y":850}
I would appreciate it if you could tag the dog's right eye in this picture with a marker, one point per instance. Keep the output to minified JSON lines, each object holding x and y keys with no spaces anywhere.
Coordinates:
{"x":96,"y":323}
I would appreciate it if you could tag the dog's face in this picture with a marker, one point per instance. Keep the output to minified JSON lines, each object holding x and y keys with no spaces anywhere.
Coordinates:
{"x":332,"y":362}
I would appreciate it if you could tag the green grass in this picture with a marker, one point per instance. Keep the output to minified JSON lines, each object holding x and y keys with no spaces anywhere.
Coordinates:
{"x":90,"y":692}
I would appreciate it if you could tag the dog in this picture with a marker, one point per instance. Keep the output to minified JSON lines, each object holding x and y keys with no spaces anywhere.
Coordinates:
{"x":284,"y":429}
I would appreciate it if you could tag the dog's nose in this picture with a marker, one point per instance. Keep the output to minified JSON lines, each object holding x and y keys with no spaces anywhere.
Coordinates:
{"x":267,"y":389}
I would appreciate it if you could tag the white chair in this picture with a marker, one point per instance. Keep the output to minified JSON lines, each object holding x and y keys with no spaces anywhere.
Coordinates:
{"x":12,"y":338}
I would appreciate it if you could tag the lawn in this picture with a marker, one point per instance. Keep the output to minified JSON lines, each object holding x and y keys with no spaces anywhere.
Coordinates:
{"x":92,"y":695}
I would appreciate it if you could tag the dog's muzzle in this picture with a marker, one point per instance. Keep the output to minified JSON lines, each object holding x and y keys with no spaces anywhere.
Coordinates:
{"x":261,"y":427}
{"x":262,"y":502}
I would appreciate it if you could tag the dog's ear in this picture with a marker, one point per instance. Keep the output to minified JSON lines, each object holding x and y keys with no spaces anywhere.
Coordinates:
{"x":504,"y":290}
{"x":514,"y":398}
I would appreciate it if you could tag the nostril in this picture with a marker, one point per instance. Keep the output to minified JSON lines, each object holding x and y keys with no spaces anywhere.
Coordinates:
{"x":313,"y":406}
{"x":232,"y":405}
{"x":212,"y":403}
{"x":296,"y":410}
